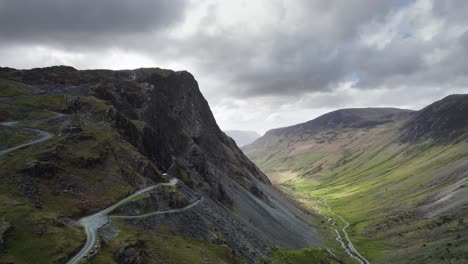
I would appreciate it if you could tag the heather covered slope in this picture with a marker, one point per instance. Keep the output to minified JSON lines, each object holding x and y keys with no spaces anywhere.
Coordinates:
{"x":400,"y":180}
{"x":115,"y":132}
{"x":299,"y":148}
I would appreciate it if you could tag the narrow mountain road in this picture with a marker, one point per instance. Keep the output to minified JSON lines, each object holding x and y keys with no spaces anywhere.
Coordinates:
{"x":349,"y":247}
{"x":92,"y":223}
{"x":43,"y":135}
{"x":157,"y":212}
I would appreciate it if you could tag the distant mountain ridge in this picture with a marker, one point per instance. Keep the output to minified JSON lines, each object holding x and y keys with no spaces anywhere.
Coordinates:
{"x":347,"y":118}
{"x":350,"y":118}
{"x":242,"y":137}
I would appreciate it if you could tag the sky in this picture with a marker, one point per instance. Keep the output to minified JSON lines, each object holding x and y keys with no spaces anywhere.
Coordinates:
{"x":261,"y":64}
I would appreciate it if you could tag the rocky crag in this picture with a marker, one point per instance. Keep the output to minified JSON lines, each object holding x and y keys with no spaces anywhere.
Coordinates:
{"x":116,"y":133}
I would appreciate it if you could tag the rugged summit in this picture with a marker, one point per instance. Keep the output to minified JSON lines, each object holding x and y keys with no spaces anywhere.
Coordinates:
{"x":114,"y":132}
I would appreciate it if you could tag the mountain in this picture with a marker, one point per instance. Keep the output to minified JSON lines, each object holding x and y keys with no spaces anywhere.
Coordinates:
{"x":398,"y":177}
{"x":282,"y":147}
{"x":242,"y":137}
{"x":76,"y":142}
{"x":443,"y":120}
{"x":345,"y":118}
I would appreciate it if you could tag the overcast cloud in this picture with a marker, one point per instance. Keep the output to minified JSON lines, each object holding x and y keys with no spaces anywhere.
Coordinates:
{"x":261,"y":64}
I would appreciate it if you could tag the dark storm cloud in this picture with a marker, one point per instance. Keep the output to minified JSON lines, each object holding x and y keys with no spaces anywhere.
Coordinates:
{"x":345,"y":17}
{"x":315,"y":52}
{"x":65,"y":21}
{"x":328,"y":49}
{"x":262,"y":63}
{"x":292,"y":73}
{"x":375,"y":67}
{"x":297,"y":48}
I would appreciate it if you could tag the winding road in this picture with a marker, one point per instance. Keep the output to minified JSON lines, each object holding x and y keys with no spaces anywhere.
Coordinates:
{"x":156,"y":212}
{"x":348,"y":248}
{"x":44,"y":135}
{"x":92,"y":223}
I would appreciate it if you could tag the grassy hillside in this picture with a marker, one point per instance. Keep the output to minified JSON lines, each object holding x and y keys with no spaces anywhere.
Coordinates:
{"x":406,"y":201}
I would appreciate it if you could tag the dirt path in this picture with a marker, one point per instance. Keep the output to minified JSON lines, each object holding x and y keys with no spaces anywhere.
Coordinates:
{"x":43,"y":135}
{"x":92,"y":223}
{"x":157,"y":212}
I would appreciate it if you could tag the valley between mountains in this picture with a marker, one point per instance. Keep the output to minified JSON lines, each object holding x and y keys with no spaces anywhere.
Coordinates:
{"x":395,"y":181}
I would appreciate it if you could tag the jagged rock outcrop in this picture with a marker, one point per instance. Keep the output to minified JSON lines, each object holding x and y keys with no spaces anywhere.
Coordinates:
{"x":38,"y":168}
{"x":133,"y":253}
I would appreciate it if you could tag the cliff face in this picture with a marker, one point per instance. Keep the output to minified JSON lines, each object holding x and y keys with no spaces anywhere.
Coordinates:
{"x":179,"y":126}
{"x":121,"y":129}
